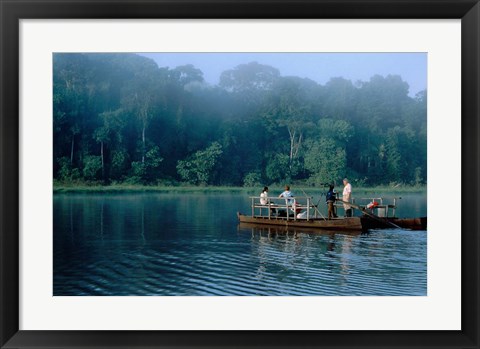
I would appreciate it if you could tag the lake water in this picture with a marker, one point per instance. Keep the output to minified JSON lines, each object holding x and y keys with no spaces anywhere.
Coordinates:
{"x":184,"y":244}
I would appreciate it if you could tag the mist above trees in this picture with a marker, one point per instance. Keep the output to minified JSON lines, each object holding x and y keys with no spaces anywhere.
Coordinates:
{"x":121,"y":118}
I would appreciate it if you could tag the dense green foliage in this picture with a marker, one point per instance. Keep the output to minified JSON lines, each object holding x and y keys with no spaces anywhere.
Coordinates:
{"x":121,"y":118}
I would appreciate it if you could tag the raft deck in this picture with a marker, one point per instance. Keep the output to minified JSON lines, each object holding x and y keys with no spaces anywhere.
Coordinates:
{"x":350,"y":223}
{"x":284,"y":212}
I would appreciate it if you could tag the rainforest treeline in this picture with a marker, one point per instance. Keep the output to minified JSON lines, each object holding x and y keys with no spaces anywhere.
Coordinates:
{"x":119,"y":118}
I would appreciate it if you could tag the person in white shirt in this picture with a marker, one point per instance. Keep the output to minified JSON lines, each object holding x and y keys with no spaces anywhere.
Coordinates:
{"x":346,"y":196}
{"x":264,"y":196}
{"x":265,"y":201}
{"x":287,"y":194}
{"x":289,"y":199}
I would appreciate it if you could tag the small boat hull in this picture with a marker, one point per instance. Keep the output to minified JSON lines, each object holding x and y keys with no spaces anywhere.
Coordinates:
{"x":393,"y":222}
{"x":362,"y":223}
{"x":344,"y":224}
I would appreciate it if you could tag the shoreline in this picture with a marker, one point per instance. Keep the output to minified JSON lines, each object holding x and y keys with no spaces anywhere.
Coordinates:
{"x":122,"y":188}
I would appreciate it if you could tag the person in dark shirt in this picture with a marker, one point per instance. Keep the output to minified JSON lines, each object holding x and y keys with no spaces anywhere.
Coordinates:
{"x":331,"y":197}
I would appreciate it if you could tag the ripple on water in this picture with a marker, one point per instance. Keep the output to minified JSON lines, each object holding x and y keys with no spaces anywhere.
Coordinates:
{"x":134,"y":252}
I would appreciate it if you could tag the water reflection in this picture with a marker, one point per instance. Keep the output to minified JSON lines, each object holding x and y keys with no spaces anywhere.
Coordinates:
{"x":184,"y":244}
{"x":294,"y":242}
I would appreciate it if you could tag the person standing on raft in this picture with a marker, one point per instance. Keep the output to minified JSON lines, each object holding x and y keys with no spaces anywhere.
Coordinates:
{"x":331,"y":197}
{"x":346,"y":196}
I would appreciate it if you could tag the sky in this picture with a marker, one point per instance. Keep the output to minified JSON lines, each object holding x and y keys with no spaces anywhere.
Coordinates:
{"x":320,"y":67}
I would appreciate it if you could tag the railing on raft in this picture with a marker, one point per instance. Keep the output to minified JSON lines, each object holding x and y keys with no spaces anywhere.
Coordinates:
{"x":292,"y":204}
{"x":376,"y":204}
{"x":297,"y":204}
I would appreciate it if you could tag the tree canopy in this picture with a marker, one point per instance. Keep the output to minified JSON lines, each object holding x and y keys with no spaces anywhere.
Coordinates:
{"x":119,"y":117}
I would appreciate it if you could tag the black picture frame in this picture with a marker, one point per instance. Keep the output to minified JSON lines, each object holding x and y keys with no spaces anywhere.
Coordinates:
{"x":13,"y":10}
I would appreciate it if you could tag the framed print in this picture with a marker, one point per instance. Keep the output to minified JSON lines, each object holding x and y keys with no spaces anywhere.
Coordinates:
{"x":136,"y":138}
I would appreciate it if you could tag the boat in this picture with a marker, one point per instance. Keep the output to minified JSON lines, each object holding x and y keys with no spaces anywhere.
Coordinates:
{"x":302,"y":213}
{"x":349,"y":223}
{"x":419,"y":223}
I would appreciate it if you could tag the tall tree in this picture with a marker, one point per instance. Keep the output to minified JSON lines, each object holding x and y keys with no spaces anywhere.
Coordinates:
{"x":249,"y":84}
{"x":140,"y":99}
{"x":326,"y":156}
{"x":108,"y":131}
{"x":288,"y":109}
